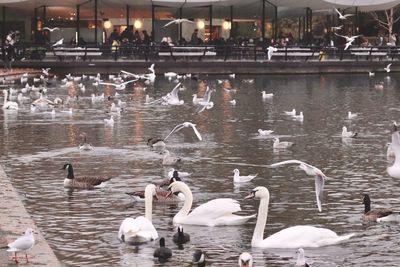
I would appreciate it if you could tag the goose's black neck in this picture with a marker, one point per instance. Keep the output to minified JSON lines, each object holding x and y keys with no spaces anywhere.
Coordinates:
{"x":70,"y":172}
{"x":367,"y":204}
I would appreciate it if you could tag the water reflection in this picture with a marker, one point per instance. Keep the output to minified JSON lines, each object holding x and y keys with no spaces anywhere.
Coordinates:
{"x":82,"y":225}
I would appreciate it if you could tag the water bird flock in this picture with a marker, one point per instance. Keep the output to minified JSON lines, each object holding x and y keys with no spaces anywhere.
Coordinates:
{"x":141,"y":229}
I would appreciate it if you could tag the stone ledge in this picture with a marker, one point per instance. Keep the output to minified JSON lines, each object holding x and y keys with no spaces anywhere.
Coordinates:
{"x":14,"y":219}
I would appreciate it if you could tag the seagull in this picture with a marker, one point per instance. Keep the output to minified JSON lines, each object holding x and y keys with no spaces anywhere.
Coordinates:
{"x":46,"y":71}
{"x":310,"y":170}
{"x":388,"y":67}
{"x":282,"y":145}
{"x":170,"y":74}
{"x":349,"y":39}
{"x":23,"y":243}
{"x":371,"y":74}
{"x":110,"y":121}
{"x":291,"y":113}
{"x":267,"y":96}
{"x":348,"y":134}
{"x":264,"y":132}
{"x":237,"y":178}
{"x":337,"y":27}
{"x":59,"y":42}
{"x":233,"y":102}
{"x":233,"y":75}
{"x":351,"y":115}
{"x":177,"y":21}
{"x":180,"y":174}
{"x":301,"y":259}
{"x":119,"y":86}
{"x":185,"y":125}
{"x":51,"y":29}
{"x":271,"y":50}
{"x":343,"y":17}
{"x":347,"y":45}
{"x":299,"y":117}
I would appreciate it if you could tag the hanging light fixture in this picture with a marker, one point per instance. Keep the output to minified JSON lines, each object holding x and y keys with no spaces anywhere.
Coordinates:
{"x":200,"y":24}
{"x":138,"y":24}
{"x":226,"y":25}
{"x":107,"y":24}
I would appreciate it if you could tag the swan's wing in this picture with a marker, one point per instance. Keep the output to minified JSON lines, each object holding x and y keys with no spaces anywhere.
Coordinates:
{"x":169,"y":23}
{"x":138,"y":225}
{"x":177,"y":128}
{"x":319,"y":188}
{"x":215,"y":208}
{"x":195,"y":131}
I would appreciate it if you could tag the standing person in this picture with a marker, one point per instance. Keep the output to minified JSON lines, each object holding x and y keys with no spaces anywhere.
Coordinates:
{"x":146,"y":37}
{"x":9,"y":50}
{"x":195,"y":39}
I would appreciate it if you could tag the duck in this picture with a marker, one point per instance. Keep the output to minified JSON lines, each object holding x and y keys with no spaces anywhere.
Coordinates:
{"x":242,"y":179}
{"x":262,"y":132}
{"x":301,"y":259}
{"x":84,"y":145}
{"x":245,"y":260}
{"x":162,"y":253}
{"x":85,"y":182}
{"x":215,"y":212}
{"x":140,"y":229}
{"x":23,"y":243}
{"x":292,"y":237}
{"x":9,"y":104}
{"x":169,"y":160}
{"x":282,"y":145}
{"x":348,"y":134}
{"x":180,"y":237}
{"x":378,"y":214}
{"x":199,"y":257}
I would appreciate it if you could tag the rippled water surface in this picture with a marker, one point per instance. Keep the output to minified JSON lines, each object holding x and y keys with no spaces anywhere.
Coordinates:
{"x":81,"y":226}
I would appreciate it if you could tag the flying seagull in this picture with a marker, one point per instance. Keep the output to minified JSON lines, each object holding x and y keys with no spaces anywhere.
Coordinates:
{"x":310,"y":170}
{"x":343,"y":17}
{"x":51,"y":29}
{"x":177,"y":21}
{"x":388,"y":67}
{"x":349,"y":39}
{"x":337,"y":27}
{"x":185,"y":125}
{"x":59,"y":42}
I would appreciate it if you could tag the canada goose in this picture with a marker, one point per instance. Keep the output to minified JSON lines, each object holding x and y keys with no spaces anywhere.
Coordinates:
{"x":23,"y":243}
{"x":199,"y":258}
{"x":180,"y":237}
{"x":84,"y":145}
{"x":85,"y":182}
{"x":245,"y":260}
{"x":162,"y":253}
{"x":378,"y":214}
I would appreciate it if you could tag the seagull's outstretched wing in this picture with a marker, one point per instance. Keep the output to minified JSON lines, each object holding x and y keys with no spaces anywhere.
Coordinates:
{"x":341,"y":36}
{"x":112,"y":84}
{"x":388,"y":66}
{"x":194,"y":129}
{"x":186,"y":20}
{"x":174,"y":92}
{"x":130,"y":74}
{"x":337,"y":11}
{"x":319,"y":189}
{"x":291,"y":161}
{"x":169,"y":23}
{"x":176,"y":128}
{"x":151,"y":68}
{"x":207,"y":95}
{"x":130,"y":81}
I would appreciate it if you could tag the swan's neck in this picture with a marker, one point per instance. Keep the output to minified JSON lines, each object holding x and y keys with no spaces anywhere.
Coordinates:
{"x":258,"y":234}
{"x":148,"y":204}
{"x":5,"y":97}
{"x":187,"y":205}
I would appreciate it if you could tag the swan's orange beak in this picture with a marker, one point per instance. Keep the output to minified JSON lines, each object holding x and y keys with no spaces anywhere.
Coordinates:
{"x":251,"y":195}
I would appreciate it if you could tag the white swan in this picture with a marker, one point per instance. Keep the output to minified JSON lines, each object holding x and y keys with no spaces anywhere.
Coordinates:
{"x":394,"y":170}
{"x":140,"y":229}
{"x":9,"y":104}
{"x":292,"y":237}
{"x":213,"y":213}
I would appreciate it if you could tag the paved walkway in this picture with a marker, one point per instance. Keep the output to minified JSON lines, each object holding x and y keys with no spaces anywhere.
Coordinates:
{"x":14,"y":220}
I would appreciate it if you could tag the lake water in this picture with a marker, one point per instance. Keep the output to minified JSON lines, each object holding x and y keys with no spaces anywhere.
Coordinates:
{"x":81,"y":226}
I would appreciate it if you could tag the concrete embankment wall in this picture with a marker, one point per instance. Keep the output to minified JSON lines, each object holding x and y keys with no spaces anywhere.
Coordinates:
{"x":14,"y":220}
